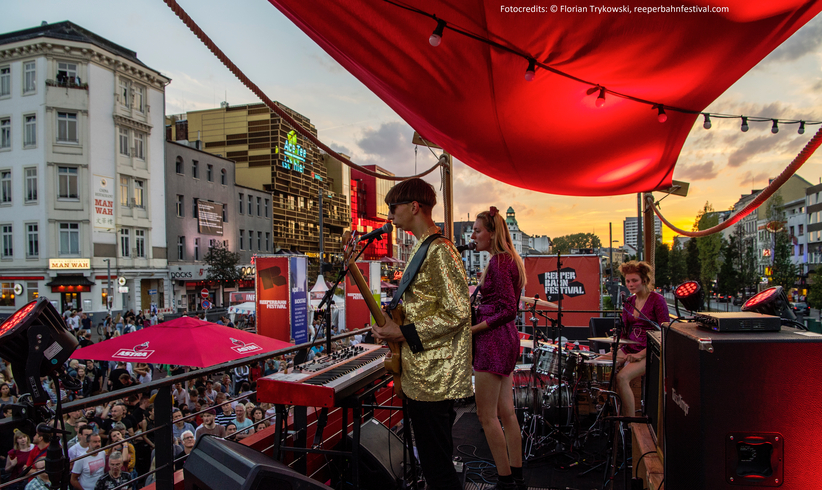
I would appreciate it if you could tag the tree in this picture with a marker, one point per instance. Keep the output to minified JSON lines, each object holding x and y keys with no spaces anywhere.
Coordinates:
{"x":693,"y":268}
{"x":727,"y":282}
{"x":745,"y":260}
{"x":708,"y":246}
{"x":815,"y":290}
{"x":676,"y":264}
{"x":783,"y":270}
{"x":564,"y":244}
{"x":661,"y":265}
{"x":222,"y":266}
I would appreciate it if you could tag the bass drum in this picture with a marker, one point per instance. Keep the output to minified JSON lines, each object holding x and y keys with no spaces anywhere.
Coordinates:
{"x":524,"y":390}
{"x":558,"y":405}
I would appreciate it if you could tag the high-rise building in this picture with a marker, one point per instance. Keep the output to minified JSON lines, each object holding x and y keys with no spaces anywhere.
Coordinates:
{"x":630,"y":230}
{"x":81,"y":172}
{"x":369,"y":210}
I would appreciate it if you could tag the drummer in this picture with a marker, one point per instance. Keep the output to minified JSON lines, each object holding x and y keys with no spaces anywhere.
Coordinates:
{"x":639,"y":280}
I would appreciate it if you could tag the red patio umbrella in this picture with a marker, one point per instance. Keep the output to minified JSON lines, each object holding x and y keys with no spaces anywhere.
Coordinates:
{"x":184,"y":341}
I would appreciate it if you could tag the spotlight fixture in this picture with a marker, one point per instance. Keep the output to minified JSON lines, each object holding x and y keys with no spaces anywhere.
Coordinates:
{"x":530,"y":73}
{"x":661,"y":116}
{"x":801,"y":127}
{"x":601,"y":97}
{"x":707,"y":123}
{"x":775,"y":127}
{"x":436,"y":37}
{"x":744,"y":127}
{"x":772,"y":301}
{"x":690,"y":294}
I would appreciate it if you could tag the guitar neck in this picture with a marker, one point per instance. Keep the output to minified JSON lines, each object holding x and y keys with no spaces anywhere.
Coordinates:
{"x":376,"y":312}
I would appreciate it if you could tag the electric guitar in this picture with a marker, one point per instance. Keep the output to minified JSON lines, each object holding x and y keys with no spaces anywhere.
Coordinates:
{"x":393,"y":361}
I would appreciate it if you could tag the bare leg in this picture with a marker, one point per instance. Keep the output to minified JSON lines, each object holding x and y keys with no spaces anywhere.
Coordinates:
{"x":505,"y":409}
{"x":487,"y":394}
{"x":629,"y":371}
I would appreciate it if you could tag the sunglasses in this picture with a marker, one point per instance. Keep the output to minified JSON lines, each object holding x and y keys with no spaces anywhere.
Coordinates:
{"x":393,"y":206}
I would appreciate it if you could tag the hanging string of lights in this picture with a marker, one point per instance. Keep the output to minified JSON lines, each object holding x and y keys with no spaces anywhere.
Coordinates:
{"x":436,"y":40}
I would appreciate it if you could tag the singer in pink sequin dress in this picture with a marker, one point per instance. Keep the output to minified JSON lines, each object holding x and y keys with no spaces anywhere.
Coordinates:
{"x":496,"y":349}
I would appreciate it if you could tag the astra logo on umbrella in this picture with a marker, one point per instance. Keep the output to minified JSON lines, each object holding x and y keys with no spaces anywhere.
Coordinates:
{"x":241,"y":347}
{"x":137,"y":352}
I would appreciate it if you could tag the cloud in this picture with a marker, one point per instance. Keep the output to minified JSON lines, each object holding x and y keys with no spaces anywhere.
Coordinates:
{"x":751,"y":148}
{"x":389,"y":145}
{"x":327,"y":63}
{"x":699,"y":171}
{"x":806,"y":40}
{"x":340,"y":148}
{"x":759,"y":179}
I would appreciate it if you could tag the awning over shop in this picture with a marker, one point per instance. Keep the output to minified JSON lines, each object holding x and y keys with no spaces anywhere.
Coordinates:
{"x":70,"y":283}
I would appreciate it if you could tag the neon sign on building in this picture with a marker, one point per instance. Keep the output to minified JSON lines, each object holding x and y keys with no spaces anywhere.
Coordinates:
{"x":293,"y":154}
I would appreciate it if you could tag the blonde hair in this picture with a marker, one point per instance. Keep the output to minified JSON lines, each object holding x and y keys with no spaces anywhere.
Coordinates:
{"x":501,"y":242}
{"x":18,"y":433}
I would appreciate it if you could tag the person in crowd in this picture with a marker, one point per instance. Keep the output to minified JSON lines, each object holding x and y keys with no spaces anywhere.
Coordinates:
{"x":245,"y":390}
{"x":85,"y":338}
{"x":188,"y":442}
{"x":86,"y":472}
{"x":17,"y":457}
{"x":240,"y":375}
{"x":115,"y":476}
{"x":81,"y":447}
{"x":272,"y":366}
{"x":128,"y":459}
{"x":74,"y":322}
{"x":97,"y":375}
{"x":227,"y":414}
{"x":245,"y":426}
{"x":114,"y":381}
{"x":230,"y":429}
{"x":210,"y":392}
{"x":41,"y":443}
{"x":436,"y":340}
{"x":5,"y":395}
{"x":117,"y":413}
{"x":179,"y":425}
{"x":119,"y":322}
{"x":85,"y":383}
{"x":257,"y":416}
{"x":179,"y":394}
{"x":71,"y":420}
{"x":210,"y":426}
{"x":41,"y":481}
{"x":639,"y":278}
{"x":142,"y":372}
{"x":226,"y":384}
{"x":496,"y":345}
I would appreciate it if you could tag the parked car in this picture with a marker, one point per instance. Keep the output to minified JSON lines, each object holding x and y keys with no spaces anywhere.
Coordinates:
{"x":800,"y":308}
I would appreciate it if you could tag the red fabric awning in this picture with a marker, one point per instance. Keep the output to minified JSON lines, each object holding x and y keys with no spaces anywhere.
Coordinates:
{"x":548,"y":135}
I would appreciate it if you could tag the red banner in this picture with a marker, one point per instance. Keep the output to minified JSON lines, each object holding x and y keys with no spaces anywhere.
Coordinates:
{"x":357,"y":314}
{"x":578,"y":280}
{"x":273,"y":314}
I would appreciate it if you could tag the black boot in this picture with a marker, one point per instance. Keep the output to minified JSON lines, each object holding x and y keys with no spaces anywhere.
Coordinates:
{"x":520,"y":484}
{"x":505,"y":483}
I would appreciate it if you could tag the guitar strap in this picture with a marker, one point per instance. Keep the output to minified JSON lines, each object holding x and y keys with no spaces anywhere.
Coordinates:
{"x":412,"y":269}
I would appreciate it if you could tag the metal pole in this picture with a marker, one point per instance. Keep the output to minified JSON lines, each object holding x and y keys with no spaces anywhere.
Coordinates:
{"x":611,"y":251}
{"x":639,"y":235}
{"x":448,"y":198}
{"x":321,"y":229}
{"x":109,"y":297}
{"x":650,"y":229}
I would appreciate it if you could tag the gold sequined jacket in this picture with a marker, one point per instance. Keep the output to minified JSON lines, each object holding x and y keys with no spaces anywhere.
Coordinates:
{"x":436,"y":356}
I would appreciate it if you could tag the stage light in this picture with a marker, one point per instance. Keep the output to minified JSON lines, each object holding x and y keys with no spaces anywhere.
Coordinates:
{"x":690,"y":294}
{"x":601,"y":97}
{"x":775,"y":127}
{"x":707,"y":123}
{"x":772,"y":301}
{"x":801,"y":127}
{"x":744,"y":127}
{"x":530,"y":73}
{"x":436,"y":37}
{"x":661,"y":116}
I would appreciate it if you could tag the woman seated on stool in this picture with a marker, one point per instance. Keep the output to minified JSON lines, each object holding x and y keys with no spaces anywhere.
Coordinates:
{"x":639,"y":280}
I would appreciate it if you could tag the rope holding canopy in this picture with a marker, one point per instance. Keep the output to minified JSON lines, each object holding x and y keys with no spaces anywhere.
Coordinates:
{"x":763,"y":196}
{"x":225,"y":60}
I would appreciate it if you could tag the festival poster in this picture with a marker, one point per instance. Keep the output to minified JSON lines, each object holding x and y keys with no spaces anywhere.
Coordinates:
{"x":578,"y":280}
{"x":357,"y":314}
{"x":273,"y":313}
{"x":299,"y":299}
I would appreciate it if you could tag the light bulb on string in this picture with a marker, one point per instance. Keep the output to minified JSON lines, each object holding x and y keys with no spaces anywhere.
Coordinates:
{"x":801,"y":129}
{"x":744,"y":126}
{"x":436,"y":36}
{"x":661,"y":116}
{"x":775,"y":127}
{"x":601,"y":97}
{"x":530,"y":72}
{"x":707,"y":123}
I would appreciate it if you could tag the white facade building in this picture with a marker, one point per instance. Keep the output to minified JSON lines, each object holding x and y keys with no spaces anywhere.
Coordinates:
{"x":81,"y":165}
{"x":630,"y":230}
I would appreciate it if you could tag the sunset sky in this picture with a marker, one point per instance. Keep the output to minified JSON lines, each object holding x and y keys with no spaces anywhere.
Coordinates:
{"x":721,"y":163}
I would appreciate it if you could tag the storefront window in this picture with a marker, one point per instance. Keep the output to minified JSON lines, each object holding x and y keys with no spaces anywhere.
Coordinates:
{"x":7,"y":294}
{"x":32,"y":291}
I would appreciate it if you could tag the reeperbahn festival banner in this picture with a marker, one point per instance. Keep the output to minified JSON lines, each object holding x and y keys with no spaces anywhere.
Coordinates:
{"x":357,"y":314}
{"x":578,"y":280}
{"x":282,"y":297}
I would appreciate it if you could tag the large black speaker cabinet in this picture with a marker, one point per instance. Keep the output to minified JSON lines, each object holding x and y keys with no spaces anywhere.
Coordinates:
{"x":217,"y":464}
{"x":380,"y":456}
{"x":742,"y":410}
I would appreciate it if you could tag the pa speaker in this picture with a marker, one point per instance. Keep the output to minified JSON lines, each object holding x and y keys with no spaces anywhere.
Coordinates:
{"x":380,"y":456}
{"x":217,"y":464}
{"x":742,"y":410}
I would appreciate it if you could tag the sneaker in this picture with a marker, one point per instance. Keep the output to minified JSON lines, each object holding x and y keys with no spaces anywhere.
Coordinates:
{"x":520,"y":483}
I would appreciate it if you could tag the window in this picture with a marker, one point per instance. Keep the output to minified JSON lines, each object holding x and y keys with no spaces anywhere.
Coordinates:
{"x":125,"y":89}
{"x":242,"y":241}
{"x":801,"y":249}
{"x":67,"y":73}
{"x":29,"y":77}
{"x":32,"y":240}
{"x":180,"y":206}
{"x":196,"y":249}
{"x":124,"y":141}
{"x":194,"y":207}
{"x":266,"y":211}
{"x":140,"y":244}
{"x":5,"y":187}
{"x":249,"y":205}
{"x":125,"y":242}
{"x":67,"y":127}
{"x":178,"y":166}
{"x":259,"y":241}
{"x":181,"y":248}
{"x":250,"y":240}
{"x":69,"y":238}
{"x":267,"y":240}
{"x":7,"y":294}
{"x":241,"y":203}
{"x":223,"y":176}
{"x":225,"y":213}
{"x":5,"y":133}
{"x":139,"y":98}
{"x":32,"y":291}
{"x":31,"y":184}
{"x":210,"y":172}
{"x":259,"y":205}
{"x":211,"y":243}
{"x":195,"y":169}
{"x":7,"y":241}
{"x":801,"y":230}
{"x":139,"y":186}
{"x":30,"y":130}
{"x":124,"y":190}
{"x":5,"y":81}
{"x":67,"y":183}
{"x":139,"y":145}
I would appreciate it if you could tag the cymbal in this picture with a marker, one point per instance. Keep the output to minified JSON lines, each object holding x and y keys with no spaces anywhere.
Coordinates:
{"x":612,"y":340}
{"x":528,"y":343}
{"x":530,"y":301}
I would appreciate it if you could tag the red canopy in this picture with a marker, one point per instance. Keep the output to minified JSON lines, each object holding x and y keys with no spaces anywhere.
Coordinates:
{"x":184,"y":341}
{"x":548,"y":135}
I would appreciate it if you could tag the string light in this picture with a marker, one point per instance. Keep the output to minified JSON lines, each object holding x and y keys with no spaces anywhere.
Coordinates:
{"x":744,"y":127}
{"x":801,"y":129}
{"x":707,"y":123}
{"x":775,"y":127}
{"x":436,"y":37}
{"x":601,"y":97}
{"x":530,"y":73}
{"x":661,"y":116}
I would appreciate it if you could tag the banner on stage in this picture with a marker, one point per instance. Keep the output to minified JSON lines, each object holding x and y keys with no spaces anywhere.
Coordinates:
{"x":577,"y":281}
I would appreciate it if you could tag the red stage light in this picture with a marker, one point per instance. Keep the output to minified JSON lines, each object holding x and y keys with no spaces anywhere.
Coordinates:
{"x":690,"y":294}
{"x":16,"y":318}
{"x":772,"y":301}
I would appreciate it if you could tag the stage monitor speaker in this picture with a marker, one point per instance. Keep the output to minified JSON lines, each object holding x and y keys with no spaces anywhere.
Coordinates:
{"x":600,"y":327}
{"x":742,"y":410}
{"x":217,"y":464}
{"x":653,"y":372}
{"x":380,"y":456}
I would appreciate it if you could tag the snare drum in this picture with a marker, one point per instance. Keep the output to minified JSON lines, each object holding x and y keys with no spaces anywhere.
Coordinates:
{"x":548,"y":362}
{"x":598,"y":371}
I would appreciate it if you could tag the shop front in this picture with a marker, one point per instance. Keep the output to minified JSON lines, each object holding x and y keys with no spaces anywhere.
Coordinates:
{"x":74,"y":291}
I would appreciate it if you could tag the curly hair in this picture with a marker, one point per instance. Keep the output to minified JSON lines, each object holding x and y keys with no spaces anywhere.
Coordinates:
{"x":643,"y":269}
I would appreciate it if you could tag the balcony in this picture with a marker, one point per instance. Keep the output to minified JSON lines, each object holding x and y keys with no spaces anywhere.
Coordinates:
{"x":67,"y":82}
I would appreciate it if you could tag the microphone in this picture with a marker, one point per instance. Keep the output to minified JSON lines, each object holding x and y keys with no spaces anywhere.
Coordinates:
{"x":378,"y":233}
{"x":467,"y":246}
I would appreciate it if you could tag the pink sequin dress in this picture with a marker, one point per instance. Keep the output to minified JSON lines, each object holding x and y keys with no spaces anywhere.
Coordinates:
{"x":655,"y":308}
{"x":496,"y":349}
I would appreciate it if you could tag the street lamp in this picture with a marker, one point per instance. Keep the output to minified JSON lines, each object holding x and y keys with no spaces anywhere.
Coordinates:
{"x":109,"y":295}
